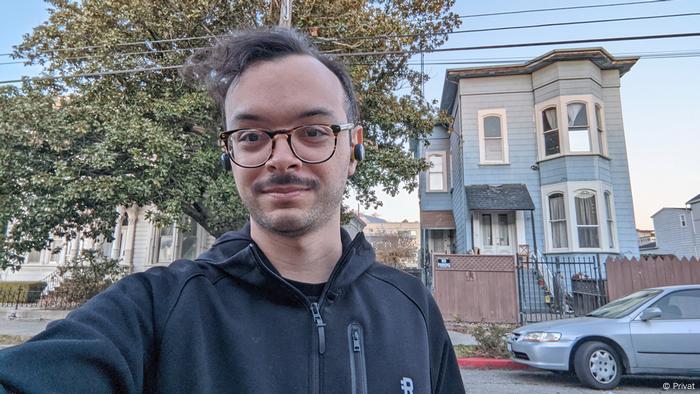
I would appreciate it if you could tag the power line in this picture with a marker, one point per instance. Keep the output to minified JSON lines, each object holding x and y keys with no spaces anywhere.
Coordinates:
{"x":522,"y":45}
{"x":389,"y":36}
{"x":562,"y":8}
{"x":150,"y":42}
{"x":383,"y":53}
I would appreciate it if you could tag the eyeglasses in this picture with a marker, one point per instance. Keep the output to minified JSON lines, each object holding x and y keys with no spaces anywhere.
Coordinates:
{"x":312,"y":144}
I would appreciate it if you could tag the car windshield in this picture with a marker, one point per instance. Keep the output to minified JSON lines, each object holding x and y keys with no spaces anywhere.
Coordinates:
{"x":625,"y":305}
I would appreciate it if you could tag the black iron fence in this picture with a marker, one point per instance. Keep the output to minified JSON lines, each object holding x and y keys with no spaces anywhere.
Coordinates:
{"x":559,"y":287}
{"x":25,"y":298}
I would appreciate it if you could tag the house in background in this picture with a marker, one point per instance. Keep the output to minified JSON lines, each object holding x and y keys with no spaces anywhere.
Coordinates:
{"x":677,"y":230}
{"x":138,"y":243}
{"x":645,"y":237}
{"x":534,"y":162}
{"x":382,"y":233}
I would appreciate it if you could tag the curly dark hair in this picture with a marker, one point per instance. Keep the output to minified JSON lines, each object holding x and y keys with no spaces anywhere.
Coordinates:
{"x":219,"y":66}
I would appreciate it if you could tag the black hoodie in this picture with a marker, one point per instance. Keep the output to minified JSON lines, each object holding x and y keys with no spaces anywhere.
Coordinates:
{"x":228,"y":322}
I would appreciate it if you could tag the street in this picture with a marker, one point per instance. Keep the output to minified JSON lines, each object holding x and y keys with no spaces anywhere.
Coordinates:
{"x":533,"y":381}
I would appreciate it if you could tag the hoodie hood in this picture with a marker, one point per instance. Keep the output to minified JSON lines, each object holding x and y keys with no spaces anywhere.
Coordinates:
{"x":237,"y":255}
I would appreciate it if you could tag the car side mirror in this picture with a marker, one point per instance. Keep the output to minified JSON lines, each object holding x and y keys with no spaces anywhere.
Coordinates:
{"x":650,"y":313}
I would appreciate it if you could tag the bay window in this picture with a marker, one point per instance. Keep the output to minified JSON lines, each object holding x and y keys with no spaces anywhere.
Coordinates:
{"x":551,"y":131}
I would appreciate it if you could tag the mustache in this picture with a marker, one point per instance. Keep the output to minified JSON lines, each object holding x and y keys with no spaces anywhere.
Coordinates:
{"x":285,"y":180}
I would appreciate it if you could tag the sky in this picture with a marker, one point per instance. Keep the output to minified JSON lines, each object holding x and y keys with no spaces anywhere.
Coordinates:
{"x":660,"y":97}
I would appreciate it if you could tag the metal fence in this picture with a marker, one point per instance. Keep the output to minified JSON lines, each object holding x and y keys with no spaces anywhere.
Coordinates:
{"x":559,"y":287}
{"x":24,"y":298}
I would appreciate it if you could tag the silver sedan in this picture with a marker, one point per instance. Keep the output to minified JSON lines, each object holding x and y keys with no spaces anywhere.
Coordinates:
{"x":652,"y":331}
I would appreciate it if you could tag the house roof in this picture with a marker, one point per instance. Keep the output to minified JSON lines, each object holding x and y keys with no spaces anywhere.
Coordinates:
{"x":694,"y":200}
{"x":510,"y":197}
{"x":669,"y":209}
{"x":648,"y":246}
{"x":599,"y":56}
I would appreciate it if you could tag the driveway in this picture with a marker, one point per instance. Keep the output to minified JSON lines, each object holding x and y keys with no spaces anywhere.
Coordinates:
{"x":533,"y":381}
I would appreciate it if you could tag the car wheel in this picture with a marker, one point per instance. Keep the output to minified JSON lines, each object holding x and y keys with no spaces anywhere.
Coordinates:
{"x":598,"y":365}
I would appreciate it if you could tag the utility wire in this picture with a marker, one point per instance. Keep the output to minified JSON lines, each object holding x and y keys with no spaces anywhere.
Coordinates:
{"x":579,"y":7}
{"x":383,"y":53}
{"x":150,"y":42}
{"x":391,"y":36}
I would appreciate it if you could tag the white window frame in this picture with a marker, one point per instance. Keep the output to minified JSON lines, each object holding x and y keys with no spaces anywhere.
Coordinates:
{"x":483,"y":114}
{"x":601,"y":131}
{"x":561,"y":104}
{"x":569,"y":190}
{"x":684,"y":222}
{"x":176,"y":244}
{"x":443,"y":156}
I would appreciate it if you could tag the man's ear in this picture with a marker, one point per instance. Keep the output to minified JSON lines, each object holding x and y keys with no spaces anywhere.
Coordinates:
{"x":358,"y":149}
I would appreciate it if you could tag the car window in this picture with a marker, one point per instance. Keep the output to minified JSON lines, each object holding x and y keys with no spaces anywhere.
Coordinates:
{"x":683,"y":304}
{"x":625,"y":305}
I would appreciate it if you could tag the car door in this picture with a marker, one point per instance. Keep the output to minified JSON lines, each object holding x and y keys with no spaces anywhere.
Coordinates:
{"x":673,"y":339}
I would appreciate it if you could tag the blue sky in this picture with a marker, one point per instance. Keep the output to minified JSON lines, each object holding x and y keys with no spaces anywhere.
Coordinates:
{"x":660,"y":97}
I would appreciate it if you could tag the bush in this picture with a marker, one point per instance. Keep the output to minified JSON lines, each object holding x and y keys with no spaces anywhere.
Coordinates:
{"x":86,"y":276}
{"x":29,"y":291}
{"x":492,"y":339}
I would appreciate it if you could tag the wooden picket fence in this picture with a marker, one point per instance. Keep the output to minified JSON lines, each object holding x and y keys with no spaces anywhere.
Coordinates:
{"x":626,"y":276}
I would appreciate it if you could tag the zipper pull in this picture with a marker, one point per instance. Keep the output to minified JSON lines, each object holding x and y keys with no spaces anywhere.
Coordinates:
{"x":355,"y":340}
{"x":320,"y":325}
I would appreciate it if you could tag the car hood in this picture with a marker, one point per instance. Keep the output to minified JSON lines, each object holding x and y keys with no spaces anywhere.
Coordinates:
{"x":573,"y":325}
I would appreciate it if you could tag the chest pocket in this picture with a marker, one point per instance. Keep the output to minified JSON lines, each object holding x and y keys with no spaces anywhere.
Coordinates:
{"x":358,"y":370}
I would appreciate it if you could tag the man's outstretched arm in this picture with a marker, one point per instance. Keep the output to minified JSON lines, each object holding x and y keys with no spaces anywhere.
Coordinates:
{"x":102,"y":346}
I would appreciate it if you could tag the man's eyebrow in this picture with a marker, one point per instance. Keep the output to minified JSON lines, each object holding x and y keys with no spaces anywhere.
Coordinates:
{"x":247,"y":116}
{"x":315,"y":112}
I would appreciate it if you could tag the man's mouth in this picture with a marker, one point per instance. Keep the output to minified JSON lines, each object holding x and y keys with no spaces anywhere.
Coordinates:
{"x":284,"y":190}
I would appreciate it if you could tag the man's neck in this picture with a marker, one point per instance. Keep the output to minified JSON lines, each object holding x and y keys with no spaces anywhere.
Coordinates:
{"x":308,"y":258}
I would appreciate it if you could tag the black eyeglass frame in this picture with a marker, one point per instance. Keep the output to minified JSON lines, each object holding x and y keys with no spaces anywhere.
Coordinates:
{"x":335,"y":128}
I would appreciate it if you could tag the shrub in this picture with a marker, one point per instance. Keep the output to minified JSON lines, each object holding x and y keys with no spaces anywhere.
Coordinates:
{"x":86,"y":276}
{"x":492,"y":339}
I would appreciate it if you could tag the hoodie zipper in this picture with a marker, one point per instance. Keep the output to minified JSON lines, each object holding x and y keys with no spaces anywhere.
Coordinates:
{"x":358,"y":373}
{"x":314,"y":307}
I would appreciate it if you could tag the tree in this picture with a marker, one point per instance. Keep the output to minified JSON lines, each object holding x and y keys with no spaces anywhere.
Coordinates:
{"x":395,"y":249}
{"x":96,"y":134}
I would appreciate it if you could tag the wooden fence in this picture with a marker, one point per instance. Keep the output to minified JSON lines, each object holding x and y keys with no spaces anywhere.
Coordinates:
{"x":476,"y":288}
{"x":626,"y":276}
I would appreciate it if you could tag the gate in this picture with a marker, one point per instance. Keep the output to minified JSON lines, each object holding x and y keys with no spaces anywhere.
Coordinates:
{"x":559,"y":287}
{"x":476,"y":288}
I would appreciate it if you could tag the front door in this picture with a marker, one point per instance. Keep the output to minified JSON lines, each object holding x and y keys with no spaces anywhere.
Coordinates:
{"x":496,"y":232}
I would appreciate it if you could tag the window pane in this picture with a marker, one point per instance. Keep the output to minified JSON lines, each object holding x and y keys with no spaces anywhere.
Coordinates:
{"x":486,"y":230}
{"x":598,"y":119}
{"x":551,"y":143}
{"x":577,"y":115}
{"x":557,"y":217}
{"x":436,"y":163}
{"x":578,"y":140}
{"x":503,"y":239}
{"x":680,"y":305}
{"x":34,"y":256}
{"x":492,"y":126}
{"x":549,"y":119}
{"x":585,"y":209}
{"x":436,"y":181}
{"x":189,"y":240}
{"x":588,"y":237}
{"x":165,"y":251}
{"x":493,"y":149}
{"x":611,"y":221}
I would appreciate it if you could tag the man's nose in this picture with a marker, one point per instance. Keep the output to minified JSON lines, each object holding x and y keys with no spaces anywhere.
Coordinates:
{"x":283,"y":157}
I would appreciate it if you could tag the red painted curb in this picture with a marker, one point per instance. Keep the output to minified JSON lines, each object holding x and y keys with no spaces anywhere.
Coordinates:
{"x":489,"y":363}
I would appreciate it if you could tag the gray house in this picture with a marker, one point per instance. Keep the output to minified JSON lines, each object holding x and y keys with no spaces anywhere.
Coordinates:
{"x":677,"y":230}
{"x":534,"y":161}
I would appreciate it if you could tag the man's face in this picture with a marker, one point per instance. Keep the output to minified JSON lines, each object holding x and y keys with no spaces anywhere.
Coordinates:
{"x":286,"y":195}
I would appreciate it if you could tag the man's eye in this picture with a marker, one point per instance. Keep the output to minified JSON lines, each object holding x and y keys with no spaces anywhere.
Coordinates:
{"x":249,"y":137}
{"x":314,"y":132}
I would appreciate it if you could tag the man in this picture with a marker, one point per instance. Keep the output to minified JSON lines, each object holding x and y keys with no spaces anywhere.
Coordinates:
{"x":289,"y":304}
